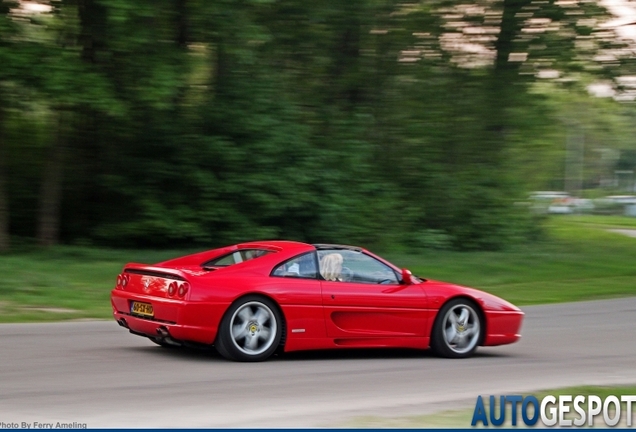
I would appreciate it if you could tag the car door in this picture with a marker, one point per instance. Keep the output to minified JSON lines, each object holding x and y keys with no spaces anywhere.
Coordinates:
{"x":364,"y":297}
{"x":297,"y":288}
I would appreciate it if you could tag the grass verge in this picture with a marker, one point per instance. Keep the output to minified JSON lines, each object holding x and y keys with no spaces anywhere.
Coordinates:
{"x":64,"y":282}
{"x":461,"y":418}
{"x":580,"y":260}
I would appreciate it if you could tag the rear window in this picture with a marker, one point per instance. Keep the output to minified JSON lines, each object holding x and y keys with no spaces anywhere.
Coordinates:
{"x":236,"y":257}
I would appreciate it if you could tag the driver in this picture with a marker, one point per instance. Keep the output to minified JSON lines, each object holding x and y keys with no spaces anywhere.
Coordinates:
{"x":331,"y":267}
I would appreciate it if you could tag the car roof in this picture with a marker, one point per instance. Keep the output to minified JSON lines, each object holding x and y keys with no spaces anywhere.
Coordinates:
{"x":321,"y":246}
{"x":273,"y":244}
{"x":288,"y":244}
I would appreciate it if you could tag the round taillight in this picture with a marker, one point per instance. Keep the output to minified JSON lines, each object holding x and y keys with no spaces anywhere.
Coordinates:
{"x":124,"y":280}
{"x":183,"y":289}
{"x":118,"y":281}
{"x":172,"y":288}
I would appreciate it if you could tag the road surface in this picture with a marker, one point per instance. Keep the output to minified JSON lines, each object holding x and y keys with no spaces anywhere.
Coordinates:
{"x":94,"y":372}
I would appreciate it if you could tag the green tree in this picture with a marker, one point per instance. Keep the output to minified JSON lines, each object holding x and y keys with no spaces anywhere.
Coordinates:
{"x":7,"y":74}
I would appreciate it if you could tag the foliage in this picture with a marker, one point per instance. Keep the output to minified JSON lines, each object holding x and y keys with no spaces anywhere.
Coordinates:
{"x":204,"y":123}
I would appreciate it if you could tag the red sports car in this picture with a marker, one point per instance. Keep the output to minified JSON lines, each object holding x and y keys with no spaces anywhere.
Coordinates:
{"x":252,"y":299}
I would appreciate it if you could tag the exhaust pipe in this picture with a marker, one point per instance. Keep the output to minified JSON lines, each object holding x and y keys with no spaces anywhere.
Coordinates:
{"x":122,"y":322}
{"x":165,"y":336}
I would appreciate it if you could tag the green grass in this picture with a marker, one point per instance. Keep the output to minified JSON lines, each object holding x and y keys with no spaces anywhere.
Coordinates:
{"x":461,"y":418}
{"x":64,"y":282}
{"x":580,"y":260}
{"x":604,"y":221}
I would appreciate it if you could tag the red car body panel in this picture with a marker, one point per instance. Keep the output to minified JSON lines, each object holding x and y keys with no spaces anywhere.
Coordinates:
{"x":318,"y":314}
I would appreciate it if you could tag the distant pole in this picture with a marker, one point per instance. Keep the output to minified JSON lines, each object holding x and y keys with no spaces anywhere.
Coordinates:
{"x":574,"y":159}
{"x":580,"y":161}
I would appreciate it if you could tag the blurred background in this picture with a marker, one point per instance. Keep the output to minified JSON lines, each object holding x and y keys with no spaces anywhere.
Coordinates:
{"x":426,"y":124}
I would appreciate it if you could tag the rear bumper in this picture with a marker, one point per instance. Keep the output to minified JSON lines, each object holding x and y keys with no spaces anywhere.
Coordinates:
{"x":502,"y":327}
{"x":182,"y":320}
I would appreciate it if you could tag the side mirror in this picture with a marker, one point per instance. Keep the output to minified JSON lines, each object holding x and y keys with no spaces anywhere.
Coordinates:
{"x":407,"y":277}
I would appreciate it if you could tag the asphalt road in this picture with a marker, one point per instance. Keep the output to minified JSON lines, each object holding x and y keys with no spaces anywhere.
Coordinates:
{"x":94,"y":372}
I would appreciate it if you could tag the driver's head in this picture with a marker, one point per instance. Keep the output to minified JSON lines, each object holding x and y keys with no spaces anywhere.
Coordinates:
{"x":331,"y":266}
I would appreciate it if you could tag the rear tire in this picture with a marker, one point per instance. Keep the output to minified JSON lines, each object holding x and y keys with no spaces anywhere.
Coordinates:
{"x":250,"y":330}
{"x":458,"y":329}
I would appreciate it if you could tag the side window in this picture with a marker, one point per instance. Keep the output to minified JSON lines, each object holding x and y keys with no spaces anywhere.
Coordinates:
{"x":225,"y":261}
{"x":353,"y":266}
{"x":236,"y":257}
{"x":303,"y":266}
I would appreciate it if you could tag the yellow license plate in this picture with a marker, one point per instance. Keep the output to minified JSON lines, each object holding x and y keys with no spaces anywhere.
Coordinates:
{"x":142,"y":309}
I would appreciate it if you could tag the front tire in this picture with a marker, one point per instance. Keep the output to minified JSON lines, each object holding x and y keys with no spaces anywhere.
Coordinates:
{"x":458,"y":329}
{"x":250,"y":330}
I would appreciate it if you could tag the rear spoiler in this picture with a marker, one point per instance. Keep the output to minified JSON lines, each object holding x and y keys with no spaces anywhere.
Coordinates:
{"x":147,"y":270}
